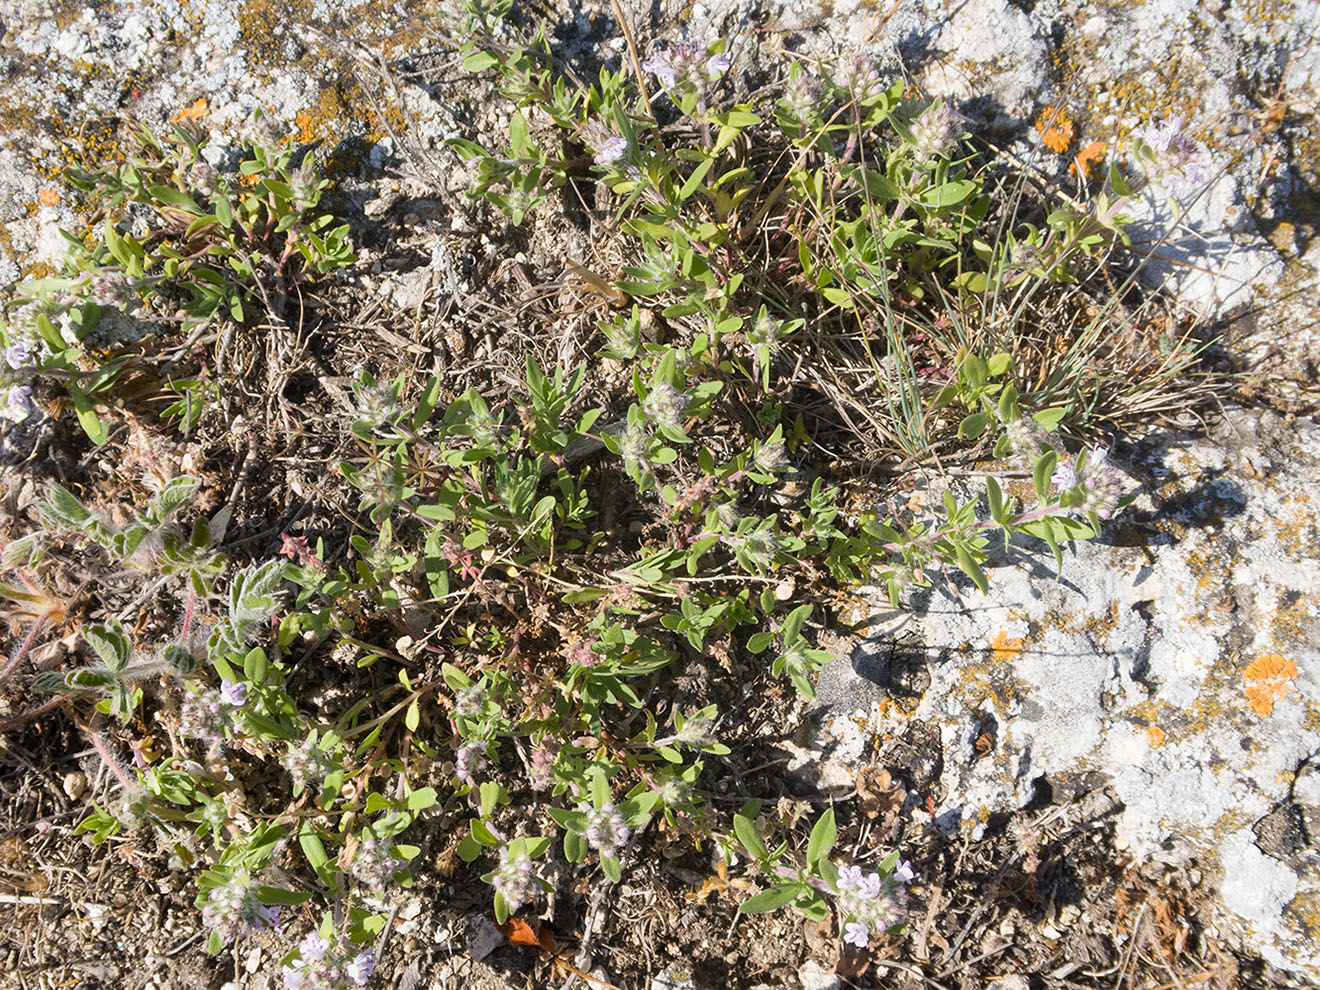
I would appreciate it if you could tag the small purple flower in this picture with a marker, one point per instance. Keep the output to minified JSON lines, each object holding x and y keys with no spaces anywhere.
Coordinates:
{"x":660,"y":66}
{"x":232,"y":910}
{"x":1180,"y":164}
{"x":1064,"y":476}
{"x":513,"y":879}
{"x":467,"y":760}
{"x":609,"y":147}
{"x":849,"y":877}
{"x":541,"y":773}
{"x":685,"y":66}
{"x":666,"y":406}
{"x":1101,"y":484}
{"x":856,"y":933}
{"x":203,"y":178}
{"x":17,"y":354}
{"x":20,"y":401}
{"x":1160,"y":136}
{"x":375,"y":864}
{"x":903,"y":872}
{"x":871,"y":886}
{"x":306,"y":764}
{"x":361,"y":968}
{"x":202,"y":716}
{"x":934,"y":131}
{"x":860,"y":78}
{"x":612,"y":150}
{"x":313,"y":947}
{"x":233,"y":693}
{"x":605,"y":829}
{"x":1188,"y":180}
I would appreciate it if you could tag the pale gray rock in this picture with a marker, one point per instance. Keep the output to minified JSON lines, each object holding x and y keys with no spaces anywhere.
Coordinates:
{"x":813,"y":976}
{"x":1176,"y":660}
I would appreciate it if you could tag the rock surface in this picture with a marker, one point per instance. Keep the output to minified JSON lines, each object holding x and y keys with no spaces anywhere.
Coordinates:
{"x":1177,"y":660}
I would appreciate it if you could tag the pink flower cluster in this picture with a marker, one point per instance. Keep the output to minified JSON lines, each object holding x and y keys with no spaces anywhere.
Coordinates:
{"x":870,"y":903}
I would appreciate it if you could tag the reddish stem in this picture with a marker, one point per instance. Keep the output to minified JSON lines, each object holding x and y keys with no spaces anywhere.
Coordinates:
{"x":188,"y":613}
{"x":110,"y":761}
{"x":23,"y":648}
{"x":40,"y":709}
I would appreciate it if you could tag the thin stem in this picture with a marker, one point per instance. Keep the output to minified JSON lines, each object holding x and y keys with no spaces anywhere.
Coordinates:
{"x":110,"y":761}
{"x":33,"y":713}
{"x":937,"y":535}
{"x":23,"y":647}
{"x":188,"y":613}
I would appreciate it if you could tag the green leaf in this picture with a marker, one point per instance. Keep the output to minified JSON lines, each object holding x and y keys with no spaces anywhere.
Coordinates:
{"x":694,"y":180}
{"x":224,"y":213}
{"x":172,"y":196}
{"x":278,"y":895}
{"x":949,"y":194}
{"x":426,"y":403}
{"x":86,"y":678}
{"x":996,"y":496}
{"x":736,"y":118}
{"x":421,"y":799}
{"x":1007,"y":403}
{"x":973,"y":426}
{"x":974,"y":371}
{"x":792,"y":628}
{"x":314,"y":850}
{"x":768,"y":900}
{"x":255,"y":666}
{"x":412,"y":717}
{"x":822,"y":838}
{"x":518,"y":135}
{"x":491,"y":795}
{"x":455,"y":678}
{"x":96,"y":431}
{"x":63,"y":508}
{"x":479,"y":61}
{"x":814,"y":907}
{"x":610,"y":867}
{"x":750,"y":838}
{"x":1048,"y":419}
{"x":972,"y":569}
{"x":575,"y":847}
{"x":111,"y":644}
{"x":1044,"y":469}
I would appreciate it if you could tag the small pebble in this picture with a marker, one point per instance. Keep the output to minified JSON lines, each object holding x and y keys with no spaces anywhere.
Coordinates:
{"x":75,"y":784}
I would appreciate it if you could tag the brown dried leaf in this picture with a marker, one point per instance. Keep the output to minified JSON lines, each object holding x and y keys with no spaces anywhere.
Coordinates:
{"x":880,"y":796}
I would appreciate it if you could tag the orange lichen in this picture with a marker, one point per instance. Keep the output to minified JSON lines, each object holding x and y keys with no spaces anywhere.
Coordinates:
{"x":1002,"y":648}
{"x":303,"y":121}
{"x":1267,"y":679}
{"x":1089,"y":157}
{"x":197,"y":109}
{"x":1155,"y":736}
{"x":1056,"y":130}
{"x":48,"y":197}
